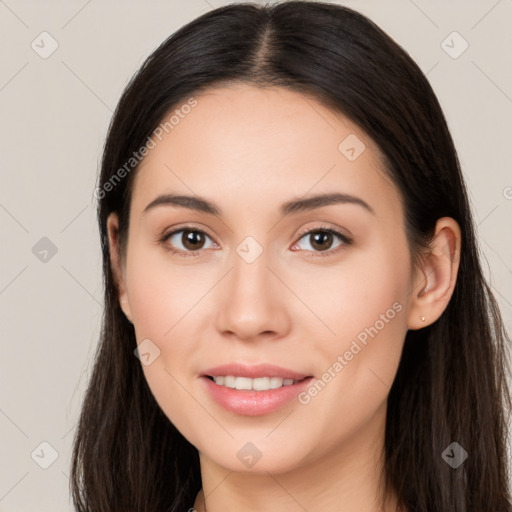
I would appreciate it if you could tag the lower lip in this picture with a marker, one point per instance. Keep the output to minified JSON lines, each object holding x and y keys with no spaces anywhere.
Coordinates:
{"x":254,"y":403}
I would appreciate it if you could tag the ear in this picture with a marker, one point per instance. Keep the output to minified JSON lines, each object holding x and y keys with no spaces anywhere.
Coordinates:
{"x":435,"y":281}
{"x":115,"y":261}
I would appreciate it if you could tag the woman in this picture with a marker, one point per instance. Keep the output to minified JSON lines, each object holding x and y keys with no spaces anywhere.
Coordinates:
{"x":295,"y":313}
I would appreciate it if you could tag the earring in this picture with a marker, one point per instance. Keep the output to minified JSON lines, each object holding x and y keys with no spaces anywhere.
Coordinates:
{"x":422,"y":318}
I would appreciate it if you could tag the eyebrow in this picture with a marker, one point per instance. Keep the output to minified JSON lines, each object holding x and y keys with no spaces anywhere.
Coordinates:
{"x":290,"y":207}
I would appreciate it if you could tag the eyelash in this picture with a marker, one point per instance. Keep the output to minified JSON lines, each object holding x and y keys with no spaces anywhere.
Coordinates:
{"x":322,"y":229}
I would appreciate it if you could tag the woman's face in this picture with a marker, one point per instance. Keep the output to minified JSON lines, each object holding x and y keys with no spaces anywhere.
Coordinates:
{"x":256,"y":289}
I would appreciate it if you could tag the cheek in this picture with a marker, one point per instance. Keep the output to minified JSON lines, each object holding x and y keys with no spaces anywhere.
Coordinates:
{"x":161,"y":293}
{"x":367,"y":288}
{"x":363,"y":305}
{"x":375,"y":309}
{"x":162,"y":298}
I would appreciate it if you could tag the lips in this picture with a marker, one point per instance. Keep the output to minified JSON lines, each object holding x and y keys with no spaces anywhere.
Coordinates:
{"x":253,"y":402}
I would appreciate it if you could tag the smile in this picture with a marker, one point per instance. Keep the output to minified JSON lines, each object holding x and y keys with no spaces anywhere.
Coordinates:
{"x":253,"y":396}
{"x":256,"y":384}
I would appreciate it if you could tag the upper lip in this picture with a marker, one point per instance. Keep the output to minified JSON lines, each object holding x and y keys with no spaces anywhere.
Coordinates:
{"x":254,"y":371}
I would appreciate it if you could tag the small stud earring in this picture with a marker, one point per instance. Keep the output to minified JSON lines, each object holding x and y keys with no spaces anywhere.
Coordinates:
{"x":422,"y":318}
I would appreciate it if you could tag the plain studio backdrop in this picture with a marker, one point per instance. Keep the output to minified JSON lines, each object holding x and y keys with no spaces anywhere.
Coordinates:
{"x":63,"y":67}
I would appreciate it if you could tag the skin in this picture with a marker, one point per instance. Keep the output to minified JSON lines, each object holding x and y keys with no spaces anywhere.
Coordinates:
{"x":249,"y":150}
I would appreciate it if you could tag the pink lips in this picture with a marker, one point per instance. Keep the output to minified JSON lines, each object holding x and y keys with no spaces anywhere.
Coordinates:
{"x":250,"y":402}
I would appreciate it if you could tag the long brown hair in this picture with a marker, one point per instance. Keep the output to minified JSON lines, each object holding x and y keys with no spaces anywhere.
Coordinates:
{"x":451,"y":382}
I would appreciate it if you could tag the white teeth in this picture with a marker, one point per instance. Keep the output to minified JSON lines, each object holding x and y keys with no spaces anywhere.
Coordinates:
{"x":257,"y":384}
{"x":243,"y":383}
{"x":261,"y":384}
{"x":276,"y":382}
{"x":229,"y":381}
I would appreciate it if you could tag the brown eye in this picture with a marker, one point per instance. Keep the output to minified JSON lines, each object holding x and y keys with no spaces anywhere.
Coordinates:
{"x":321,"y":240}
{"x":192,"y":240}
{"x":186,"y":241}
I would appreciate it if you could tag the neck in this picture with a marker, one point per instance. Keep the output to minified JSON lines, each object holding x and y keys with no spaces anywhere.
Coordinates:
{"x":348,"y":479}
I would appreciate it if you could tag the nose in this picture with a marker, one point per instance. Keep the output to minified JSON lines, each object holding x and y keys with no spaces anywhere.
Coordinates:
{"x":252,"y":301}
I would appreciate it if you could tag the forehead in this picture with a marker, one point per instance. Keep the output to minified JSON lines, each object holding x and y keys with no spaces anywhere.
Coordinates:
{"x":258,"y":145}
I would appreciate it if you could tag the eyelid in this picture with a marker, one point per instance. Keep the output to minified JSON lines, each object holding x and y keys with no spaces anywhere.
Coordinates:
{"x":185,"y":227}
{"x":323,"y":227}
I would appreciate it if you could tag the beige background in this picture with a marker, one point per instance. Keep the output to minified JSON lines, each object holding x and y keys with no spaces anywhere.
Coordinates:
{"x":54,"y":114}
